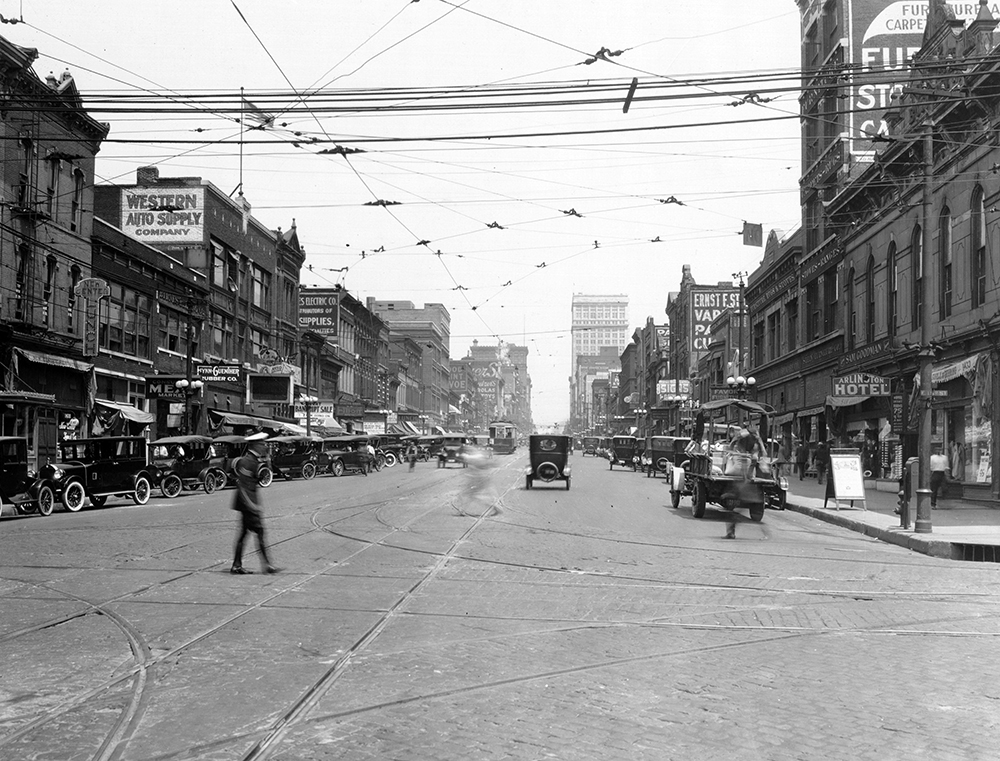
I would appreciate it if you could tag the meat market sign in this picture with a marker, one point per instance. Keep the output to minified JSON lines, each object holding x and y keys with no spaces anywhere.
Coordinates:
{"x":860,"y":384}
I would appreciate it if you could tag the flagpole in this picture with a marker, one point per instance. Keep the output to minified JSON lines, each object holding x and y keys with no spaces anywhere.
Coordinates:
{"x":243,"y":102}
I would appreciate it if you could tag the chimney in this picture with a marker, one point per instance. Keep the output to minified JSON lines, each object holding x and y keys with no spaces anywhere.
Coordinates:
{"x":147,"y":175}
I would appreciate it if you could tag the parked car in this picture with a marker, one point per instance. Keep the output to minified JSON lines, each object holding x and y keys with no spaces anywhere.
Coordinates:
{"x":95,"y":468}
{"x":624,"y":451}
{"x":590,"y":445}
{"x":343,"y":454}
{"x":227,"y":450}
{"x":293,"y":456}
{"x":727,"y":475}
{"x":452,"y":450}
{"x":183,"y":462}
{"x":16,"y":478}
{"x":548,"y":457}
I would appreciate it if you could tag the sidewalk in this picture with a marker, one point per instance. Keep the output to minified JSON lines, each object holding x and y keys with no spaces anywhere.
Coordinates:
{"x":959,"y":530}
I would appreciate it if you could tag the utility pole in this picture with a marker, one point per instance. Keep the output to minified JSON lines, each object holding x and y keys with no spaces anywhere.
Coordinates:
{"x":922,"y":525}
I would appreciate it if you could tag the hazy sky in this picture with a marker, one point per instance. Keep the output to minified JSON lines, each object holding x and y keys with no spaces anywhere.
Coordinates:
{"x":516,"y":176}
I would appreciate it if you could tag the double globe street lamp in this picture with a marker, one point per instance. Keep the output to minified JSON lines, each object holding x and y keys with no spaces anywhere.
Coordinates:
{"x":308,"y":401}
{"x":190,"y":388}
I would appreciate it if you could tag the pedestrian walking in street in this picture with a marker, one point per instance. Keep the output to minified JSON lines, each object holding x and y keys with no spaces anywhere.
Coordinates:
{"x":939,"y":474}
{"x":248,"y":504}
{"x":411,"y":455}
{"x":822,"y":461}
{"x":801,"y":459}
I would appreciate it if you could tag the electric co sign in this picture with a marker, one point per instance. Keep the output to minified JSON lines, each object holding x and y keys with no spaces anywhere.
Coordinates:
{"x":860,"y":384}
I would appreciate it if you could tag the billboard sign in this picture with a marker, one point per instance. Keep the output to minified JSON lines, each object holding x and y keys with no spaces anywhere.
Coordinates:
{"x":860,"y":384}
{"x":272,"y":389}
{"x":318,"y":312}
{"x":227,"y":373}
{"x":706,"y":305}
{"x":164,"y":215}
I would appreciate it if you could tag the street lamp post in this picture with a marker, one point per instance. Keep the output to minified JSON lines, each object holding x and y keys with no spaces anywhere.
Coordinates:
{"x":308,"y":401}
{"x":190,"y":388}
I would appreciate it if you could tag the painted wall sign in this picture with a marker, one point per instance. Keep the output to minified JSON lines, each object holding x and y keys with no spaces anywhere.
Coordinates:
{"x":164,"y":215}
{"x":860,"y":384}
{"x":319,"y":312}
{"x":706,"y":305}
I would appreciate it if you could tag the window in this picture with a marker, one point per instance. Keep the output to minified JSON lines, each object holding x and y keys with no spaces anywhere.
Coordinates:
{"x":978,"y":268}
{"x":52,"y":189}
{"x":76,"y":210}
{"x":792,"y":310}
{"x":173,"y":332}
{"x":261,"y":295}
{"x":852,"y":311}
{"x":774,"y":335}
{"x":870,"y":301}
{"x":831,"y":300}
{"x":891,"y":284}
{"x":74,"y":279}
{"x":127,"y":327}
{"x":222,"y":335}
{"x":21,"y":280}
{"x":50,"y":276}
{"x":757,"y":347}
{"x":218,"y":265}
{"x":917,"y":267}
{"x":813,"y":311}
{"x":945,"y":254}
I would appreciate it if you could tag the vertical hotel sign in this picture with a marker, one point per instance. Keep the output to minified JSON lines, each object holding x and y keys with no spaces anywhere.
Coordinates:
{"x":882,"y":37}
{"x":91,"y":290}
{"x":160,"y":215}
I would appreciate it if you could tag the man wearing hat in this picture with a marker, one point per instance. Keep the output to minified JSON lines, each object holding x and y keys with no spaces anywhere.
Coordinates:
{"x":247,"y":503}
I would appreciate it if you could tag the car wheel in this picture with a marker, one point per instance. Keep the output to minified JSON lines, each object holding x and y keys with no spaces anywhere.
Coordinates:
{"x":567,"y":484}
{"x":171,"y":486}
{"x":757,"y":512}
{"x":527,"y":482}
{"x":46,"y":500}
{"x":699,"y":499}
{"x":390,"y":459}
{"x":142,"y":491}
{"x":209,"y":483}
{"x":74,"y":496}
{"x":337,"y":468}
{"x":309,"y":471}
{"x":98,"y":500}
{"x":265,"y":476}
{"x":675,"y":498}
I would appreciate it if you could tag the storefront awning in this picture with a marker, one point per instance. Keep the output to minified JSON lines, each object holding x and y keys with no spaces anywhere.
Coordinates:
{"x":952,"y":370}
{"x":128,"y":411}
{"x":453,"y":410}
{"x":235,"y":418}
{"x":845,"y":401}
{"x":55,"y":361}
{"x":811,"y":411}
{"x":784,"y":419}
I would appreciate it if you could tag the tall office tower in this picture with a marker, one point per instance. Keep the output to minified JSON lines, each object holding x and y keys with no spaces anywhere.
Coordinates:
{"x":599,"y":321}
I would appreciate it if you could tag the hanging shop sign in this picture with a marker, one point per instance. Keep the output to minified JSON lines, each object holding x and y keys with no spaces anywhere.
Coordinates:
{"x":897,"y":413}
{"x":860,"y":384}
{"x":227,"y":373}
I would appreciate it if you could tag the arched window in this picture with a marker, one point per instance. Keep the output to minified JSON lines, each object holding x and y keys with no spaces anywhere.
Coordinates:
{"x":917,"y":268}
{"x":944,"y":255}
{"x":870,"y":301}
{"x":852,"y":311}
{"x":891,"y":283}
{"x":977,"y":269}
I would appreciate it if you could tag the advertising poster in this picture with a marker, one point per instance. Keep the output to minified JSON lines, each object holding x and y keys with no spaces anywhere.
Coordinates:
{"x":164,"y":215}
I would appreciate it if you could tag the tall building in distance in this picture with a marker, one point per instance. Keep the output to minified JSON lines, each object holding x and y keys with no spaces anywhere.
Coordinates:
{"x":598,"y":322}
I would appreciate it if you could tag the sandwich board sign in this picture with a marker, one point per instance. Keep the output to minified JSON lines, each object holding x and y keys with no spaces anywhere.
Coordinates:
{"x":846,"y":480}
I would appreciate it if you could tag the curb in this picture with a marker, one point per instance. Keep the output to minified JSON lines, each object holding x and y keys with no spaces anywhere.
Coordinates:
{"x":938,"y":548}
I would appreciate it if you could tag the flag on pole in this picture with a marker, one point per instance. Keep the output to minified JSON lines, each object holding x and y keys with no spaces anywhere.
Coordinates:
{"x":256,"y":114}
{"x":753,"y":235}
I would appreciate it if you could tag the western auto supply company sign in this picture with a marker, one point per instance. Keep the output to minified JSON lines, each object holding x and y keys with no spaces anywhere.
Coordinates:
{"x":164,"y":215}
{"x":860,"y":384}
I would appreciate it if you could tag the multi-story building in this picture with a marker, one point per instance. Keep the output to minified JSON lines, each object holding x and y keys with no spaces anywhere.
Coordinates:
{"x":430,"y":327}
{"x":49,"y":322}
{"x":240,"y":331}
{"x":597,"y":321}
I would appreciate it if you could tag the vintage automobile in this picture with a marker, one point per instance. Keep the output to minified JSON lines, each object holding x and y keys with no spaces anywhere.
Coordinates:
{"x":482,"y":442}
{"x":663,"y":452}
{"x":590,"y":445}
{"x":548,"y":458}
{"x":452,"y":450}
{"x":732,"y":475}
{"x":428,"y":447}
{"x":624,"y":451}
{"x":183,"y":462}
{"x":94,"y":468}
{"x":227,"y":450}
{"x":342,"y":454}
{"x":16,"y":478}
{"x":293,"y":456}
{"x":389,"y":448}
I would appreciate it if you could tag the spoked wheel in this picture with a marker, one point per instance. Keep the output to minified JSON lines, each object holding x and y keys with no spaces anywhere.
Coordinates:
{"x":337,"y":468}
{"x":699,"y":499}
{"x":74,"y":497}
{"x":309,"y":471}
{"x":265,"y":477}
{"x":390,"y":459}
{"x":171,"y":486}
{"x":46,"y":500}
{"x":142,"y":491}
{"x":98,"y":500}
{"x":675,"y":498}
{"x":209,"y":483}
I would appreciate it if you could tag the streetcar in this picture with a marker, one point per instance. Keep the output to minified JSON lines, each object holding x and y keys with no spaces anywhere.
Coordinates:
{"x":504,"y":436}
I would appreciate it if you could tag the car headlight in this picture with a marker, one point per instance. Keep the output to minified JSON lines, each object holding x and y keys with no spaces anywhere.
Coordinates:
{"x":565,"y":470}
{"x":58,"y":473}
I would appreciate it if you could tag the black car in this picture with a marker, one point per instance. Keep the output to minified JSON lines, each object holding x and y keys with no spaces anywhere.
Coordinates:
{"x":624,"y":451}
{"x":342,"y":454}
{"x":549,"y":459}
{"x":16,"y":479}
{"x":95,"y":468}
{"x":662,"y":453}
{"x":183,"y":462}
{"x":226,"y":451}
{"x":293,"y":456}
{"x":452,"y":451}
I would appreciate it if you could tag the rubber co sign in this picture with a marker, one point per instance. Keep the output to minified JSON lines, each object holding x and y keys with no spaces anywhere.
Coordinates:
{"x":860,"y":384}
